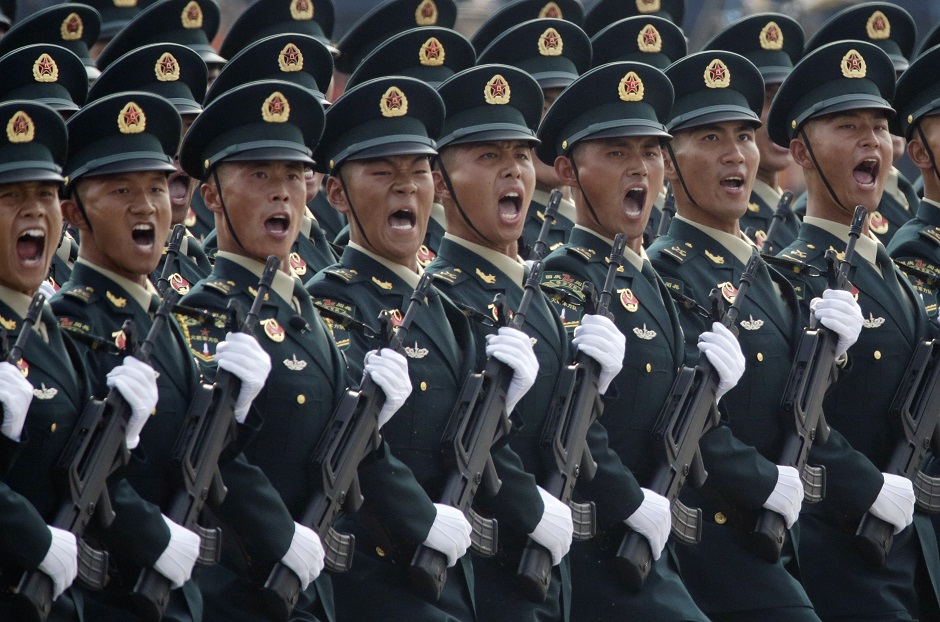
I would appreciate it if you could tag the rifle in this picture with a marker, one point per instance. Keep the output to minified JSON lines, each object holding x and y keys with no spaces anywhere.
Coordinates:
{"x":689,"y":413}
{"x":209,"y":428}
{"x":668,"y":212}
{"x":479,"y":421}
{"x":574,"y":408}
{"x":812,"y":373}
{"x":780,"y":214}
{"x":352,"y":435}
{"x":95,"y":450}
{"x":172,"y":258}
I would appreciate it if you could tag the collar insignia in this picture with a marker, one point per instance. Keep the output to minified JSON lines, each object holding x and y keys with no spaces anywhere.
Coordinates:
{"x":131,"y":119}
{"x":647,"y":6}
{"x":760,"y":236}
{"x":426,"y":13}
{"x":497,"y":92}
{"x":771,"y":37}
{"x":751,"y":324}
{"x":394,"y":103}
{"x":301,"y":10}
{"x":628,"y":300}
{"x":72,"y":28}
{"x":294,"y":363}
{"x":644,"y":333}
{"x":753,"y":207}
{"x":395,"y":318}
{"x":431,"y":53}
{"x":273,"y":330}
{"x":386,"y":285}
{"x":489,"y":279}
{"x":853,"y":65}
{"x":117,"y":301}
{"x":191,"y":17}
{"x":276,"y":108}
{"x":416,"y":352}
{"x":120,"y":339}
{"x":45,"y":69}
{"x":718,"y":259}
{"x":23,"y":366}
{"x":20,"y":128}
{"x":631,"y":88}
{"x":425,"y":256}
{"x":551,"y":10}
{"x":649,"y":40}
{"x":717,"y":75}
{"x":167,"y":68}
{"x":7,"y":325}
{"x":878,"y":27}
{"x":290,"y":59}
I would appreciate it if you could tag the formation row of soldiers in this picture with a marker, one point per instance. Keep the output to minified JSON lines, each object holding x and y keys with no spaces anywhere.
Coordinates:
{"x":440,"y":152}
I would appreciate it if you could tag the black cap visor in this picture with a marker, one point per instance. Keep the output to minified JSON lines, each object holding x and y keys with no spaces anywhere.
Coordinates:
{"x":711,"y":115}
{"x":29,"y":171}
{"x":387,"y":146}
{"x":489,"y":133}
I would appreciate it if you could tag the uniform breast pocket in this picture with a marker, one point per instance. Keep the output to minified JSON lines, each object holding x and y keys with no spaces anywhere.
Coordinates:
{"x":296,"y":408}
{"x":640,"y":390}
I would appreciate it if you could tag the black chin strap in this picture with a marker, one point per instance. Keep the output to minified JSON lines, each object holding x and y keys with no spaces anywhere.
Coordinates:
{"x":577,"y":178}
{"x":228,"y":221}
{"x":822,"y":175}
{"x":81,"y":209}
{"x":675,"y":165}
{"x":453,"y":197}
{"x":342,"y":182}
{"x":933,"y":160}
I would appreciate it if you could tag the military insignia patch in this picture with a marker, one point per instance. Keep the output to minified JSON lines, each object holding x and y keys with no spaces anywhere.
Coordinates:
{"x":431,"y":53}
{"x":771,"y":37}
{"x":45,"y":69}
{"x":301,"y":10}
{"x":631,"y":88}
{"x":644,"y":333}
{"x":497,"y":91}
{"x":551,"y":10}
{"x":550,"y":43}
{"x":72,"y":28}
{"x":649,"y":40}
{"x":120,"y":339}
{"x":125,"y":4}
{"x":494,"y":312}
{"x":276,"y":108}
{"x":178,"y":283}
{"x":191,"y":18}
{"x":7,"y":325}
{"x":751,"y":323}
{"x":44,"y":392}
{"x":297,"y":264}
{"x":853,"y":65}
{"x":717,"y":259}
{"x":647,"y":6}
{"x":878,"y":27}
{"x":872,"y":322}
{"x":416,"y":352}
{"x":346,"y":274}
{"x":290,"y":59}
{"x":20,"y":128}
{"x":426,"y":13}
{"x":717,"y":75}
{"x":425,"y":256}
{"x":489,"y":279}
{"x":117,"y":301}
{"x":131,"y":119}
{"x":273,"y":330}
{"x":386,"y":285}
{"x":728,"y":291}
{"x":753,"y":207}
{"x":393,"y":103}
{"x":294,"y":363}
{"x":23,"y":366}
{"x":167,"y":68}
{"x":877,"y":223}
{"x":628,"y":300}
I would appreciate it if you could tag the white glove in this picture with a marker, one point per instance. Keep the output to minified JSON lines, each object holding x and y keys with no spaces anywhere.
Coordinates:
{"x":599,"y":338}
{"x":838,"y":311}
{"x":786,"y":499}
{"x":178,"y":558}
{"x":16,"y":393}
{"x":241,"y":355}
{"x":305,"y":555}
{"x":895,"y":502}
{"x":514,"y":348}
{"x":389,"y":370}
{"x":450,"y":533}
{"x":137,"y":383}
{"x":724,"y":353}
{"x":652,"y":520}
{"x":555,"y":528}
{"x":61,"y":560}
{"x":46,"y":289}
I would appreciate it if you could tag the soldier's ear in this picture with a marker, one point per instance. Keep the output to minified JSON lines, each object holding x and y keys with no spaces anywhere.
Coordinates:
{"x":565,"y":171}
{"x":71,"y":213}
{"x":669,"y":167}
{"x":800,"y":154}
{"x":918,"y":153}
{"x":210,"y":195}
{"x":336,"y":195}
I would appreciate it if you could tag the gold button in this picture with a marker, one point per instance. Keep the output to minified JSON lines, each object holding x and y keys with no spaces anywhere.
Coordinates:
{"x":877,"y":355}
{"x":379,"y":551}
{"x":424,"y":386}
{"x":301,"y":399}
{"x":720,"y":518}
{"x":52,"y":429}
{"x":760,"y":356}
{"x":649,"y":368}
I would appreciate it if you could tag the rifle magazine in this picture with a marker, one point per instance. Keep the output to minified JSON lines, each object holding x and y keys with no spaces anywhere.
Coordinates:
{"x":92,"y":567}
{"x":686,"y":523}
{"x":814,"y":483}
{"x":210,"y":545}
{"x":584,"y":517}
{"x":927,"y":493}
{"x":339,"y":548}
{"x":484,"y":538}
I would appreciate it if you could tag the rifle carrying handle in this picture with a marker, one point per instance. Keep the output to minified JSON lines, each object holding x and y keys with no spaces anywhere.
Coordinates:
{"x":874,"y":539}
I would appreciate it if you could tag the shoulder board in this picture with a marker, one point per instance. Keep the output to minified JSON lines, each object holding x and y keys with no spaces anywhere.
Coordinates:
{"x":785,"y":263}
{"x":451,"y":275}
{"x":800,"y":253}
{"x":329,"y":306}
{"x":931,"y":233}
{"x":347,"y":275}
{"x":678,"y":252}
{"x":581,"y":251}
{"x":83,"y":293}
{"x":220,"y":285}
{"x":923,"y":273}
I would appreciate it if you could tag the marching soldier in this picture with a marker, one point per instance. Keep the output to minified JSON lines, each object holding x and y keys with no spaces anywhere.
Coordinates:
{"x":610,"y":121}
{"x":833,"y":113}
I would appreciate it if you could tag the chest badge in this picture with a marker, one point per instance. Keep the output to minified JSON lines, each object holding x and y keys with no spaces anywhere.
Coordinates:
{"x":728,"y":291}
{"x":425,"y":256}
{"x":178,"y":283}
{"x":872,"y":322}
{"x":273,"y":330}
{"x":644,"y":333}
{"x":751,"y":324}
{"x":878,"y":223}
{"x":120,"y":339}
{"x":45,"y":393}
{"x":294,"y":363}
{"x":23,"y":366}
{"x":298,"y":264}
{"x":417,"y":352}
{"x":628,"y":300}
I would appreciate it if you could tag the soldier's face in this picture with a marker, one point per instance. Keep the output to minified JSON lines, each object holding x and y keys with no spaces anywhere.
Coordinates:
{"x":388,"y":205}
{"x":130,"y":219}
{"x":493,"y":183}
{"x":719,"y":164}
{"x":181,"y":186}
{"x":265,"y":203}
{"x":30,"y":215}
{"x":620,"y":178}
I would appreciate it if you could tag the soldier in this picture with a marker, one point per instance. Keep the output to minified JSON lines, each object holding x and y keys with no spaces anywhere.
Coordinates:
{"x":52,"y":372}
{"x":73,"y":26}
{"x":250,"y":147}
{"x":610,"y":120}
{"x":712,"y":162}
{"x":773,"y":42}
{"x":833,"y":112}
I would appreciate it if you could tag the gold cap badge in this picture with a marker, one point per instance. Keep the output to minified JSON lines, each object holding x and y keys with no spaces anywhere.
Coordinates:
{"x":426,"y":13}
{"x":72,"y":28}
{"x":717,"y":75}
{"x":301,"y":10}
{"x":853,"y":65}
{"x":649,"y":40}
{"x":167,"y":68}
{"x":276,"y":108}
{"x":771,"y":37}
{"x":631,"y":88}
{"x":191,"y":18}
{"x":20,"y":128}
{"x":551,"y":10}
{"x":125,"y":4}
{"x":550,"y":43}
{"x":647,"y":6}
{"x":431,"y":53}
{"x":45,"y":69}
{"x":393,"y":103}
{"x":496,"y":90}
{"x":131,"y":119}
{"x":290,"y":59}
{"x":878,"y":27}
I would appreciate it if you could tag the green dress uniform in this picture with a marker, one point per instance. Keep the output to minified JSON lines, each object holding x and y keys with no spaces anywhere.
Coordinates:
{"x":558,"y":231}
{"x":399,"y":488}
{"x":192,"y":265}
{"x":760,"y":215}
{"x":839,"y":581}
{"x":644,"y":312}
{"x":739,"y":455}
{"x":916,"y":247}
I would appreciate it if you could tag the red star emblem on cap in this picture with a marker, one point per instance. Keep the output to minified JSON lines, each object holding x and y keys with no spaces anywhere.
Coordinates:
{"x":193,"y":13}
{"x":649,"y":37}
{"x":302,"y":6}
{"x":879,"y":23}
{"x":432,"y":50}
{"x":427,"y":11}
{"x":717,"y":72}
{"x":167,"y":66}
{"x":20,"y":125}
{"x":551,"y":40}
{"x":73,"y":25}
{"x":773,"y":34}
{"x":632,"y":84}
{"x":276,"y":106}
{"x":45,"y":65}
{"x":291,"y":57}
{"x":393,"y":101}
{"x":497,"y":87}
{"x":132,"y":116}
{"x":854,"y":62}
{"x":551,"y":12}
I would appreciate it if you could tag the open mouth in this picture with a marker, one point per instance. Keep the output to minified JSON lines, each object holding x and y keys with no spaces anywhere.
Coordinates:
{"x":179,"y":189}
{"x":510,"y":205}
{"x":732,"y":183}
{"x":866,"y":172}
{"x":30,"y":246}
{"x":144,"y":235}
{"x":277,"y":224}
{"x":634,"y":201}
{"x":402,"y":220}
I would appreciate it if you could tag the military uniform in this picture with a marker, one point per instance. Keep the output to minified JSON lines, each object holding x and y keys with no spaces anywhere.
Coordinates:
{"x":760,"y":215}
{"x":558,"y":231}
{"x":192,"y":265}
{"x":916,"y":246}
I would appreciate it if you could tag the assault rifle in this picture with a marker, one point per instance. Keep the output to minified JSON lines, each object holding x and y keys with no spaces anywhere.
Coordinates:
{"x":812,"y":373}
{"x":574,"y":408}
{"x":353,"y":433}
{"x":780,"y":214}
{"x":668,"y":212}
{"x":172,"y":258}
{"x":208,"y":429}
{"x":479,"y":421}
{"x":95,"y":450}
{"x":689,"y":412}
